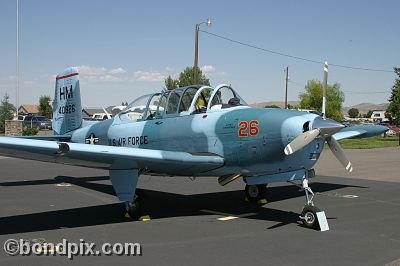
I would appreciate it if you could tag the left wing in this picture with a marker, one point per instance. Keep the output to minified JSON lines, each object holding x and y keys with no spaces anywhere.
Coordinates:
{"x":360,"y":131}
{"x":109,"y":157}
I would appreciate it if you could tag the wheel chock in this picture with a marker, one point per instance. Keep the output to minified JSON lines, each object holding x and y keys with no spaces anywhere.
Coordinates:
{"x":262,"y":201}
{"x":322,"y":221}
{"x":144,"y":218}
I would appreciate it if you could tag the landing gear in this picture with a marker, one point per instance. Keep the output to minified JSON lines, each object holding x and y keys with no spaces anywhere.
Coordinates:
{"x":309,"y":214}
{"x":256,"y":193}
{"x":133,"y":208}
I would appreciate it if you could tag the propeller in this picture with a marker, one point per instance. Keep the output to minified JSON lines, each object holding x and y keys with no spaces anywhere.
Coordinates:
{"x":323,"y":128}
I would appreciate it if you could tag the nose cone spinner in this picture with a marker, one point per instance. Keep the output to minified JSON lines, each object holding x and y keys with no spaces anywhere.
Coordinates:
{"x":327,"y":126}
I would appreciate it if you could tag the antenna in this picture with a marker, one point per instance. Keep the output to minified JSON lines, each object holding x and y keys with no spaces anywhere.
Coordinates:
{"x":286,"y":86}
{"x":324,"y":86}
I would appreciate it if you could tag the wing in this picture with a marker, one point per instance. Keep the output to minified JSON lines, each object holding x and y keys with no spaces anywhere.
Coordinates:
{"x":109,"y":157}
{"x":360,"y":131}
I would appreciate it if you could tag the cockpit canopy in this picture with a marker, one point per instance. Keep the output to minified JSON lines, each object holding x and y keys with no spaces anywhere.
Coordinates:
{"x":182,"y":101}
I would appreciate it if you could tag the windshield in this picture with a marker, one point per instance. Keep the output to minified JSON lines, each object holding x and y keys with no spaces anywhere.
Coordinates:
{"x":141,"y":109}
{"x":41,"y":118}
{"x":226,"y":97}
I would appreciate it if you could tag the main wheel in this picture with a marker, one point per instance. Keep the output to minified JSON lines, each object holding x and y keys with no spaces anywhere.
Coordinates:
{"x":309,"y":217}
{"x":256,"y":193}
{"x":133,"y":209}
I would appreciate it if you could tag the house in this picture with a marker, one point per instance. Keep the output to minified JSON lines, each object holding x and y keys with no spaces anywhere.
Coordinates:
{"x":28,"y":109}
{"x":379,"y":116}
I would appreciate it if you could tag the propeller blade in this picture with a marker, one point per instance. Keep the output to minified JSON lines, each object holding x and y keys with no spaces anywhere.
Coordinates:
{"x":301,"y":140}
{"x":339,"y":153}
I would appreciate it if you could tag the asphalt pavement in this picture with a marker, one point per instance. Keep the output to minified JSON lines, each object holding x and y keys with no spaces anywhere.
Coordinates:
{"x":198,"y":222}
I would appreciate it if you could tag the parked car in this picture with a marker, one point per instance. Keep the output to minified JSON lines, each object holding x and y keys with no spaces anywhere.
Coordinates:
{"x":38,"y":122}
{"x":393,"y":130}
{"x":100,"y":116}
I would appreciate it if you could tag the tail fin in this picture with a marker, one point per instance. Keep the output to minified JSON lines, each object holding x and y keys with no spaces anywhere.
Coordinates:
{"x":67,"y":107}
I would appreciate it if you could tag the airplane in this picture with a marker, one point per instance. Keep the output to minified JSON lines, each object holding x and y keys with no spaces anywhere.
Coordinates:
{"x":195,"y":131}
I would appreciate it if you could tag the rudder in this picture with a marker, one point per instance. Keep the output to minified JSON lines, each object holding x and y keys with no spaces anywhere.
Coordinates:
{"x":67,"y":107}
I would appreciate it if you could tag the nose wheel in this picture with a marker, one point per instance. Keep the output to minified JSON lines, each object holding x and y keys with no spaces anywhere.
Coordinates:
{"x":309,"y":216}
{"x":256,"y":193}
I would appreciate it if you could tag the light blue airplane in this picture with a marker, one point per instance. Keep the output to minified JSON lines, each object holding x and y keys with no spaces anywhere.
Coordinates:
{"x":192,"y":131}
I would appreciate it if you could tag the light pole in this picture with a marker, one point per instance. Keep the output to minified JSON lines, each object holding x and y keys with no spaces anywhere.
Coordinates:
{"x":196,"y":48}
{"x":17,"y":63}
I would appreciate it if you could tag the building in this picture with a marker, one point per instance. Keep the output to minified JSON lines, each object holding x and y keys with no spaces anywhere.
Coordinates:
{"x":28,"y":109}
{"x":379,"y":116}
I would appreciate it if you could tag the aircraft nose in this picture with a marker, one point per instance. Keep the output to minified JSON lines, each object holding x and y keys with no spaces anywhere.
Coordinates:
{"x":327,"y":126}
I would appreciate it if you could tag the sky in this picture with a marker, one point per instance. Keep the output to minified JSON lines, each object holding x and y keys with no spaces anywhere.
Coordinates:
{"x":126,"y":48}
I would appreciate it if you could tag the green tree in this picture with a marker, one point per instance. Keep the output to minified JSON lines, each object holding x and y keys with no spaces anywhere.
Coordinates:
{"x":312,"y":99}
{"x":45,"y":108}
{"x":271,"y":106}
{"x":171,"y":83}
{"x":353,"y":112}
{"x":393,"y":110}
{"x":368,"y":115}
{"x":186,"y":78}
{"x":7,"y":111}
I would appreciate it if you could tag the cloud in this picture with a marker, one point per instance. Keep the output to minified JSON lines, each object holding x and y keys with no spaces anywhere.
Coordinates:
{"x":118,"y":70}
{"x":109,"y":78}
{"x":90,"y":73}
{"x":208,"y":70}
{"x":148,"y":76}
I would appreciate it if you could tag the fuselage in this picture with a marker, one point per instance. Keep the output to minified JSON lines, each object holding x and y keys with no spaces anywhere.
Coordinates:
{"x":250,"y":140}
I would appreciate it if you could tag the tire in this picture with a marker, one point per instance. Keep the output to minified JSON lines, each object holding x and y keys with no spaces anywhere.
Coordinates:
{"x":309,"y":217}
{"x":255,"y":193}
{"x":133,"y":209}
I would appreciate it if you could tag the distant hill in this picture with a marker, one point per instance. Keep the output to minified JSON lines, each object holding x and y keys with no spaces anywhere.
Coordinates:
{"x":363,"y":108}
{"x":277,"y":103}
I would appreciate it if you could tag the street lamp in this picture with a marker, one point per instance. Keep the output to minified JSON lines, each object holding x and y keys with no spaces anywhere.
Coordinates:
{"x":196,"y":47}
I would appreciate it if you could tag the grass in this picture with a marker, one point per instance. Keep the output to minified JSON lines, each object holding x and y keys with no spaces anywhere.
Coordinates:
{"x":370,"y":143}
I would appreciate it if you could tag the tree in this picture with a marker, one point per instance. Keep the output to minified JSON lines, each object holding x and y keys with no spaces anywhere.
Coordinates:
{"x":186,"y":78}
{"x":271,"y":106}
{"x":45,"y":108}
{"x":7,"y":111}
{"x":369,"y":114}
{"x":393,"y":110}
{"x":171,"y":83}
{"x":312,"y":99}
{"x":353,"y":112}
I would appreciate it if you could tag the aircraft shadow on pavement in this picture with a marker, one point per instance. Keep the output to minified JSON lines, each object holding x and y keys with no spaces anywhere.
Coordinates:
{"x":157,"y":204}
